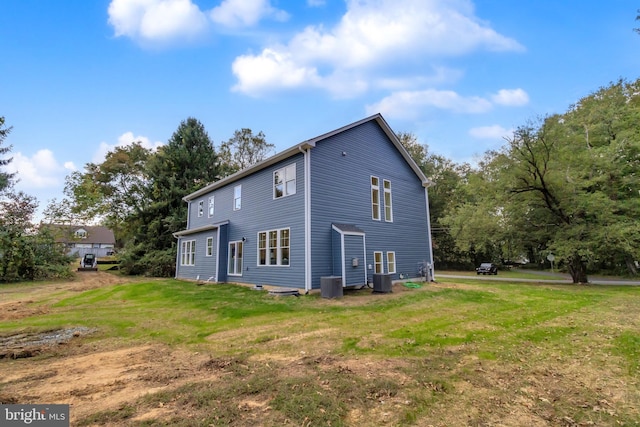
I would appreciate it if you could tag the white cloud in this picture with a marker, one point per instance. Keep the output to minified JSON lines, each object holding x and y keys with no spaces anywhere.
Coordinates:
{"x":245,"y":13}
{"x":371,"y":36}
{"x":511,"y":97}
{"x":157,"y":20}
{"x":166,"y":21}
{"x":411,"y":104}
{"x":124,"y":140}
{"x":39,"y":171}
{"x":490,"y":132}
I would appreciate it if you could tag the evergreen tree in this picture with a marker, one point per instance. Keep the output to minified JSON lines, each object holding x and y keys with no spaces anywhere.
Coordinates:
{"x":185,"y":164}
{"x":5,"y":178}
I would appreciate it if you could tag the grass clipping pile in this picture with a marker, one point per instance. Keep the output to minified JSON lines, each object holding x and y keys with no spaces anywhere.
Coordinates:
{"x":107,"y":383}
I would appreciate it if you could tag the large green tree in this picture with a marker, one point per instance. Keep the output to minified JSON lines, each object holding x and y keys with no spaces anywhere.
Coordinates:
{"x":566,"y":185}
{"x":5,"y":177}
{"x":186,"y":163}
{"x":243,"y":150}
{"x":27,"y":252}
{"x":108,"y":192}
{"x":445,"y":176}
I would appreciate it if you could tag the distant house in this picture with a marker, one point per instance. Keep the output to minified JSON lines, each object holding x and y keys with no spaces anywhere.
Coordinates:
{"x":82,"y":239}
{"x":350,"y":203}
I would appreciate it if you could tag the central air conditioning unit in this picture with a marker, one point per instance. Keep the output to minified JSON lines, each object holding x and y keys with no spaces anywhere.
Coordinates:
{"x":382,"y":283}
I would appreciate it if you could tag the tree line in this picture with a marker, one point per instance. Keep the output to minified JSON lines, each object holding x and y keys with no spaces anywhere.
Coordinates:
{"x":566,"y":185}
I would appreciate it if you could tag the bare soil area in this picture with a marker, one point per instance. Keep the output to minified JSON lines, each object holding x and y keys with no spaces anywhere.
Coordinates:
{"x":108,"y":375}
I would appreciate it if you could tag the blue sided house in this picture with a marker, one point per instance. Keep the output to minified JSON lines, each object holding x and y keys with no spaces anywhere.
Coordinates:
{"x":350,"y":203}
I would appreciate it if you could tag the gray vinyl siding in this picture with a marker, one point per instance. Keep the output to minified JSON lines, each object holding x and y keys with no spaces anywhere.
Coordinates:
{"x":259,"y":212}
{"x":353,"y":249}
{"x":341,"y":168}
{"x":205,"y":266}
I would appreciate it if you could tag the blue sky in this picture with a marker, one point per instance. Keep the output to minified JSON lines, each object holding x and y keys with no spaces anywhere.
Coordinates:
{"x":78,"y":78}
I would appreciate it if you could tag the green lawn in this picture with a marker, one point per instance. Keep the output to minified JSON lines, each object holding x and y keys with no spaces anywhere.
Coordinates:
{"x":476,"y":353}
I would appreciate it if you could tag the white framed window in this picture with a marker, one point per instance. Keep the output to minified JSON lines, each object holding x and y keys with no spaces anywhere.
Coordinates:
{"x":209,"y":246}
{"x":211,"y":206}
{"x":237,"y":197}
{"x":200,"y":208}
{"x":284,"y":181}
{"x":188,"y":252}
{"x":80,"y":233}
{"x":378,"y":267}
{"x":274,"y":247}
{"x":375,"y":198}
{"x":388,"y":208}
{"x":391,"y":262}
{"x":235,"y":258}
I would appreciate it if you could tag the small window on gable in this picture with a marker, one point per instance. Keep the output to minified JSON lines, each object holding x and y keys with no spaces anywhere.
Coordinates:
{"x":80,"y":233}
{"x":200,"y":208}
{"x":211,"y":206}
{"x":284,"y":181}
{"x":237,"y":197}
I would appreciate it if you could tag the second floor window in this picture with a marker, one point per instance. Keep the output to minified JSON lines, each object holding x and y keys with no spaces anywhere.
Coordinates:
{"x":388,"y":209}
{"x":201,"y":208}
{"x":237,"y":197}
{"x":211,"y":206}
{"x":284,"y":181}
{"x":375,"y":198}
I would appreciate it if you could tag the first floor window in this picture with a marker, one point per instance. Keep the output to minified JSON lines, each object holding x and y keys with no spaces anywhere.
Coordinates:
{"x":391,"y":262}
{"x":377,"y":263}
{"x":188,"y":253}
{"x":235,"y":258}
{"x":274,"y":247}
{"x":209,"y":246}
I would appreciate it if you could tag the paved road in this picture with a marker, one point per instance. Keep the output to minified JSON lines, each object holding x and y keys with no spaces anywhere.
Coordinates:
{"x":550,"y":278}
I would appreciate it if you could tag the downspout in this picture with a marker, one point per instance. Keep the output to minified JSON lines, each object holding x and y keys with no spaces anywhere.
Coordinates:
{"x":426,"y":197}
{"x":177,"y":258}
{"x":307,"y":218}
{"x":218,"y":253}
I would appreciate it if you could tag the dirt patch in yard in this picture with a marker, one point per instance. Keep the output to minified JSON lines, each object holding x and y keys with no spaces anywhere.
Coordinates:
{"x":147,"y":382}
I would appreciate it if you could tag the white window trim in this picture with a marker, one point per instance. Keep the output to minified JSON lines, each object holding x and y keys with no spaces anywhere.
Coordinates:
{"x":236,"y":242}
{"x":209,"y":250}
{"x":278,"y":248}
{"x":384,"y":200}
{"x":375,"y":208}
{"x":291,"y":168}
{"x":237,"y":198}
{"x":389,"y":264}
{"x":200,"y":208}
{"x":211,"y":209}
{"x":376,"y":263}
{"x":188,"y":253}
